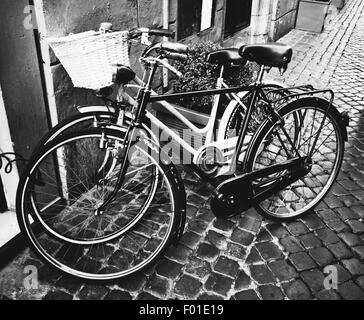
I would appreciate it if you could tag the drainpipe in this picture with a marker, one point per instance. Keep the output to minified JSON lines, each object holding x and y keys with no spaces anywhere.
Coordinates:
{"x":165,"y":26}
{"x":44,"y":63}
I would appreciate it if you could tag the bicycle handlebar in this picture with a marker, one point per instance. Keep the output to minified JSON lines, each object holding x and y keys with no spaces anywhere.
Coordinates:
{"x":162,"y":33}
{"x":177,"y":56}
{"x":174,"y":47}
{"x":137,"y":32}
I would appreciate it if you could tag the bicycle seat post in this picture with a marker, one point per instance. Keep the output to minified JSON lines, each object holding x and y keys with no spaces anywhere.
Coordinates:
{"x":221,"y":78}
{"x":261,"y":75}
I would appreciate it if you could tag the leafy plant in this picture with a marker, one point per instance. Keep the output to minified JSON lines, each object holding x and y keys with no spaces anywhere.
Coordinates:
{"x":197,"y":75}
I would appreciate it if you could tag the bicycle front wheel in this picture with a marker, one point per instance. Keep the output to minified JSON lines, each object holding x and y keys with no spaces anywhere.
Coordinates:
{"x":319,"y":138}
{"x":59,"y":196}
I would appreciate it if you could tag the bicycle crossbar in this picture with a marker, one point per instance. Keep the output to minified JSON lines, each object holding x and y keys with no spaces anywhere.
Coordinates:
{"x":175,"y":96}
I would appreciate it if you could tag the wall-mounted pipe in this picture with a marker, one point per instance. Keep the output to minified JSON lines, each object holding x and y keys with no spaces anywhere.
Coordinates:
{"x":165,"y":26}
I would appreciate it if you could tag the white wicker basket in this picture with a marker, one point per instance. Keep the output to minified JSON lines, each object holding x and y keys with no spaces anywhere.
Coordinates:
{"x":90,"y":57}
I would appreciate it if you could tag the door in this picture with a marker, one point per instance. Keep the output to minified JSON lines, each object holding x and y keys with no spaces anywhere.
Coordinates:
{"x":238,"y":15}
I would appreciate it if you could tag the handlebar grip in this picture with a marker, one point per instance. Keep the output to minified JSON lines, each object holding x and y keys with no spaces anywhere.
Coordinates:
{"x":177,"y":56}
{"x":134,"y":33}
{"x":174,"y":47}
{"x":162,"y":33}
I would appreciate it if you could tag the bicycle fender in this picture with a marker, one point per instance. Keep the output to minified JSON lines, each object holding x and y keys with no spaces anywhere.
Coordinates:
{"x":90,"y":109}
{"x":180,"y":193}
{"x":275,"y":83}
{"x":345,"y":122}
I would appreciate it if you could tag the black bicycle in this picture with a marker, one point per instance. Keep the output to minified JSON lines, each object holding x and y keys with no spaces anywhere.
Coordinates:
{"x":100,"y":204}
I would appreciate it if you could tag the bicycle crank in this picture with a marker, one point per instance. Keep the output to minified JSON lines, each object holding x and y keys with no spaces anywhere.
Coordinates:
{"x":230,"y":202}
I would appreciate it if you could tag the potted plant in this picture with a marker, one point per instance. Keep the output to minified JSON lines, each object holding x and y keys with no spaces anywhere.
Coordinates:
{"x":311,"y":15}
{"x":197,"y":74}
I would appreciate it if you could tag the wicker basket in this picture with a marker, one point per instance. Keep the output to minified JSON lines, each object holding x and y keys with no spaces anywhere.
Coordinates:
{"x":90,"y":57}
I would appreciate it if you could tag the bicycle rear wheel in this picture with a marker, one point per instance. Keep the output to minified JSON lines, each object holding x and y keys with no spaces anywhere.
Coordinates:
{"x":59,"y":196}
{"x":319,"y":137}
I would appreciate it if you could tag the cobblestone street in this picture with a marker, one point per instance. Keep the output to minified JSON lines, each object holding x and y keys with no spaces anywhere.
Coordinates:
{"x":249,"y":257}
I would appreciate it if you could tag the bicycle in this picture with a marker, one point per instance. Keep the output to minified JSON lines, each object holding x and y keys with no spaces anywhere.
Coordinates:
{"x":108,"y":224}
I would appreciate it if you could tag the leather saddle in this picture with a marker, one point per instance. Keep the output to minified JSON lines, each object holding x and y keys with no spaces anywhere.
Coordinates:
{"x":225,"y":57}
{"x":268,"y":54}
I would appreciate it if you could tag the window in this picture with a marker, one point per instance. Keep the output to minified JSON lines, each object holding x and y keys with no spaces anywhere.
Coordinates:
{"x":195,"y":16}
{"x":238,"y":15}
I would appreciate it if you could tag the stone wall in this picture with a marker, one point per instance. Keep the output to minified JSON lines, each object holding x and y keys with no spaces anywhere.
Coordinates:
{"x":284,"y":13}
{"x":261,"y":17}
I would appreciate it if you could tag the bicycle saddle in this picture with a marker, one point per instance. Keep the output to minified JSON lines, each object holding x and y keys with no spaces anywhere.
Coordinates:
{"x":225,"y":57}
{"x":123,"y":75}
{"x":268,"y":54}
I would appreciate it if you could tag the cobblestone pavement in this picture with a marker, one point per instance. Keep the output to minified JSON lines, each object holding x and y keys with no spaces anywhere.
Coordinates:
{"x":248,"y":257}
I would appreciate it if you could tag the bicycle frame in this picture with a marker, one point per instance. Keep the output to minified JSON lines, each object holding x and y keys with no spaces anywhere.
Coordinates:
{"x":228,"y":145}
{"x":256,"y":89}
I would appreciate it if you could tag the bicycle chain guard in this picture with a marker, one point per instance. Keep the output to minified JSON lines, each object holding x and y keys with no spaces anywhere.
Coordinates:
{"x":236,"y":195}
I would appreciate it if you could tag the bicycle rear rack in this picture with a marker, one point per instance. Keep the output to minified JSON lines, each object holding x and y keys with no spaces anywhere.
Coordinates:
{"x":296,"y":92}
